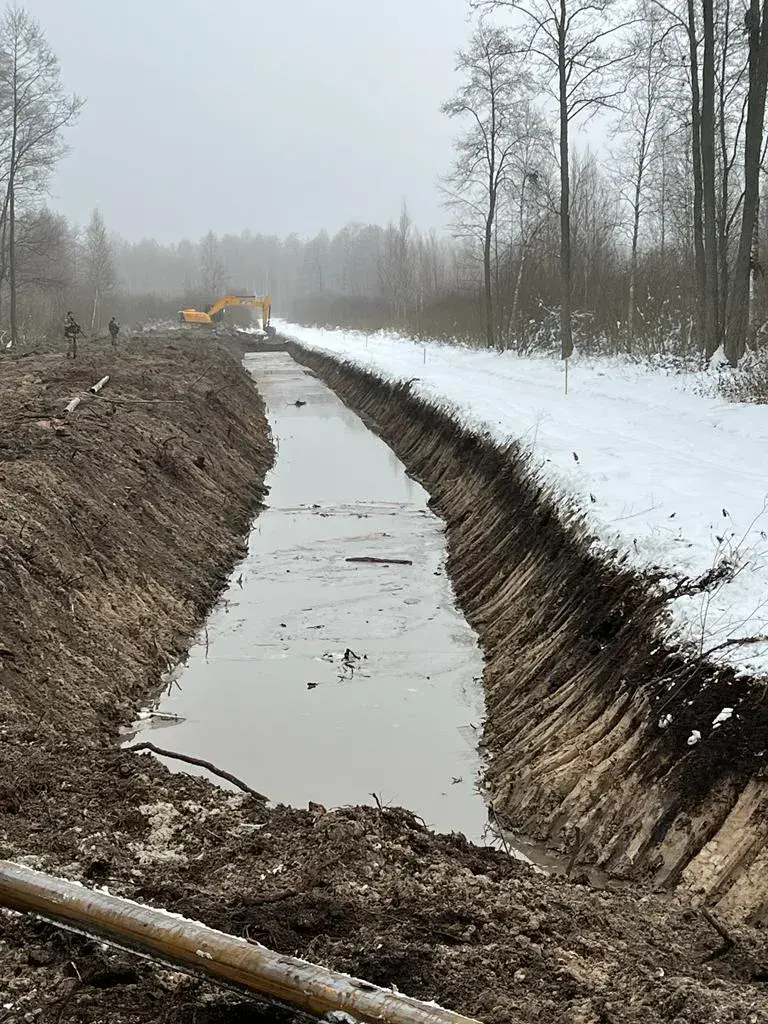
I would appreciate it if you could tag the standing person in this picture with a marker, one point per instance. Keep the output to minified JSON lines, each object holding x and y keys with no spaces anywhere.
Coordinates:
{"x":114,"y":330}
{"x":71,"y":330}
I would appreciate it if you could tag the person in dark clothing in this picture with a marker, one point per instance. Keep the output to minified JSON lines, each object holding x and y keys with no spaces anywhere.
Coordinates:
{"x":71,"y":331}
{"x":114,"y":330}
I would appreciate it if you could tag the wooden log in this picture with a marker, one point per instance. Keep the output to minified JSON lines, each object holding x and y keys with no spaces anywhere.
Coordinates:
{"x":71,"y":406}
{"x":369,"y":559}
{"x":96,"y":388}
{"x":225,"y":959}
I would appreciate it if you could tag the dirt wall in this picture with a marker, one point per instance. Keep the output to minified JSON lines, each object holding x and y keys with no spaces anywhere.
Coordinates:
{"x":577,"y":677}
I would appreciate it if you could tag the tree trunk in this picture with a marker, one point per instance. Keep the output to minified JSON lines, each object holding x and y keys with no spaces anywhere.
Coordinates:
{"x":516,"y":292}
{"x":722,"y":219}
{"x":635,"y":236}
{"x":12,"y":196}
{"x":711,"y":297}
{"x":698,"y":218}
{"x":754,"y":279}
{"x":12,"y":261}
{"x":490,"y":333}
{"x":566,"y":332}
{"x":738,"y":318}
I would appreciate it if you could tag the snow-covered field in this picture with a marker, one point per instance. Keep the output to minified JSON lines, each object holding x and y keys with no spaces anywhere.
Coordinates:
{"x":674,"y":478}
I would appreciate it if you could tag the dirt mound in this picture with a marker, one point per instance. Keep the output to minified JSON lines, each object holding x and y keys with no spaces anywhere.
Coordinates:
{"x":119,"y":522}
{"x":361,"y":890}
{"x":577,"y":677}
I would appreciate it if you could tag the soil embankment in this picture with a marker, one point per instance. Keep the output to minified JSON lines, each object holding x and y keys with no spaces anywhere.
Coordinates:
{"x":118,"y":528}
{"x":577,"y":681}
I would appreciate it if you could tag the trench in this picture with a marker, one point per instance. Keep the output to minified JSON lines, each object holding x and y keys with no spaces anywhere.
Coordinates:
{"x":576,"y":673}
{"x":320,"y":679}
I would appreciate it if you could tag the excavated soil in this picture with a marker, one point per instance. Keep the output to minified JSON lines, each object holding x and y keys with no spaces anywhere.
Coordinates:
{"x":577,"y":675}
{"x":119,"y":527}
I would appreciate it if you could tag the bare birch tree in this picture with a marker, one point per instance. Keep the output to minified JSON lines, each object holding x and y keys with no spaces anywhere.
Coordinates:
{"x":98,"y":264}
{"x":33,"y":113}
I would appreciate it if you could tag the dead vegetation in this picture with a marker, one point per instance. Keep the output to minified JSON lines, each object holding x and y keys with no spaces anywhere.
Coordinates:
{"x":578,"y":678}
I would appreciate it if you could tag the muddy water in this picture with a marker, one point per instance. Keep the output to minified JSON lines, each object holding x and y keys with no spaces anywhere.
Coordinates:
{"x":322,"y":679}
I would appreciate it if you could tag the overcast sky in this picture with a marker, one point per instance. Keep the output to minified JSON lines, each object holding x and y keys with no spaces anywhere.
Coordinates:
{"x":273,"y":115}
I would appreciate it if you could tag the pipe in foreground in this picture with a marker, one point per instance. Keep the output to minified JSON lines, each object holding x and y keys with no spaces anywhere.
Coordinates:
{"x":226,"y":959}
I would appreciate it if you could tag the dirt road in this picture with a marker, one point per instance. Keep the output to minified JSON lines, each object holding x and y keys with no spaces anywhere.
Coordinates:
{"x":118,"y":528}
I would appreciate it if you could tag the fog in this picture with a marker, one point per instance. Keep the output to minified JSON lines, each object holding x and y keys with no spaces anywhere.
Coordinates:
{"x":274,"y":115}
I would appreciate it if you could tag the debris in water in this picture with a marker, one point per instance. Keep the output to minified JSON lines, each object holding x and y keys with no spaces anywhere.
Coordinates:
{"x":380,"y":561}
{"x":299,"y":402}
{"x":312,"y":686}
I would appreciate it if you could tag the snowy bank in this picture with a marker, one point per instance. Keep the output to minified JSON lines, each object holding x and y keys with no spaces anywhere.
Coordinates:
{"x":672,"y":478}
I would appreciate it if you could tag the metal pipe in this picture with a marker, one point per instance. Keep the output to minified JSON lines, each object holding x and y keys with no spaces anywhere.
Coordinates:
{"x":226,"y":959}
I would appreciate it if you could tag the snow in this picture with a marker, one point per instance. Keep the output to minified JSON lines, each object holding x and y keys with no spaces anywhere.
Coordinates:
{"x":666,"y":470}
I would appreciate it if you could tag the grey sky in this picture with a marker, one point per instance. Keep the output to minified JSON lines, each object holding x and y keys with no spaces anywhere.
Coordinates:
{"x":273,"y":115}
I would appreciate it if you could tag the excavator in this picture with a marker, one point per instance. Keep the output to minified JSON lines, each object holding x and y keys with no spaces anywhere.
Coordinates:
{"x":215,"y":313}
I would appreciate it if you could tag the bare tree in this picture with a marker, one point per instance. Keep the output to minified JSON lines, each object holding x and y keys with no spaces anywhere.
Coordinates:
{"x":397,"y":265}
{"x":640,"y":127}
{"x":569,"y":41}
{"x":486,"y":100}
{"x":98,"y":263}
{"x":211,"y":267}
{"x":33,"y":112}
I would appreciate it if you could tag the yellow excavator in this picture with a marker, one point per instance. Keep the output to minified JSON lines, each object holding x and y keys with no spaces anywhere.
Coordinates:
{"x":215,"y":313}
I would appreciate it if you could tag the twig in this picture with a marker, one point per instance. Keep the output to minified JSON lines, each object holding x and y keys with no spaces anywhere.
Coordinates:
{"x":737,"y":641}
{"x":139,"y":401}
{"x":728,"y":941}
{"x":89,"y":545}
{"x":201,"y":764}
{"x":500,"y":832}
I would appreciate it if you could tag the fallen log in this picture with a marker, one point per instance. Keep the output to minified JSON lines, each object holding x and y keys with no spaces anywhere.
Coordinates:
{"x":227,"y":960}
{"x":71,"y":406}
{"x":380,"y":561}
{"x":96,"y":388}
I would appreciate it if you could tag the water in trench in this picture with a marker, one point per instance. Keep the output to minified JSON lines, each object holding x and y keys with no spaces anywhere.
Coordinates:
{"x":322,"y":679}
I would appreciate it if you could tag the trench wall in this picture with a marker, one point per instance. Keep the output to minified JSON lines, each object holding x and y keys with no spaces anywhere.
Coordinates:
{"x":577,"y":675}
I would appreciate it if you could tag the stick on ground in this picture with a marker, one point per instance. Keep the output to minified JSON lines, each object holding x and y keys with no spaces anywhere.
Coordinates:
{"x":201,"y":764}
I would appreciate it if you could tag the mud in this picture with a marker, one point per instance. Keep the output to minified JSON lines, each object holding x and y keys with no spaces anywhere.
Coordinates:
{"x":362,"y":889}
{"x":577,"y":676}
{"x":321,"y":679}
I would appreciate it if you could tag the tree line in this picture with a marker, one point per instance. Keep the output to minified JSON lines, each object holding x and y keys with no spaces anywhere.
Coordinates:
{"x":649,"y":241}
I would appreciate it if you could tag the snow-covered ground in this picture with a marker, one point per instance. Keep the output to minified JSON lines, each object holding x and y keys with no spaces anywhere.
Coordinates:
{"x":674,"y":478}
